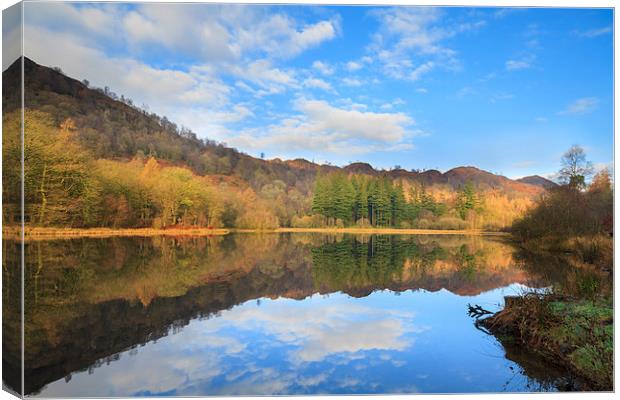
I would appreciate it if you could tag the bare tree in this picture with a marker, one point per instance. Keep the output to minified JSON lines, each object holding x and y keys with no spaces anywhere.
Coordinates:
{"x":575,"y":168}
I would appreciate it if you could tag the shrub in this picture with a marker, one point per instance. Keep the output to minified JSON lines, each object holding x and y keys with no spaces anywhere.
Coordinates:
{"x":307,"y":221}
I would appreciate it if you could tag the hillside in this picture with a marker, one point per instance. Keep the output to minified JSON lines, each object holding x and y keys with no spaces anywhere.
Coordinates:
{"x":538,"y":181}
{"x":117,"y":164}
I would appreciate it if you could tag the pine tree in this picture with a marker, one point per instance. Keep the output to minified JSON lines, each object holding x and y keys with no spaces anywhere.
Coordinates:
{"x":397,"y":199}
{"x":373,"y":195}
{"x":466,"y":200}
{"x":319,"y":200}
{"x":361,"y":199}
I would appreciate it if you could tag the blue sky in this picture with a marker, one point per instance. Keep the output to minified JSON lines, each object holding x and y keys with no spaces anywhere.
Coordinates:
{"x":506,"y":90}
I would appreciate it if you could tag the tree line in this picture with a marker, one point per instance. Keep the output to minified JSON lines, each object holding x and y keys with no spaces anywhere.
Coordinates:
{"x":65,"y":186}
{"x":345,"y":200}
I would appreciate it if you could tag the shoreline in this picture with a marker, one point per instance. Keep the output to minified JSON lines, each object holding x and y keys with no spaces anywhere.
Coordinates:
{"x":553,"y":327}
{"x":68,"y":233}
{"x":393,"y":231}
{"x":42,"y":233}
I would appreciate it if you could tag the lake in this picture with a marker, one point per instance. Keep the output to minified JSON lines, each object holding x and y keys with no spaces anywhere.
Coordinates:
{"x":258,"y":314}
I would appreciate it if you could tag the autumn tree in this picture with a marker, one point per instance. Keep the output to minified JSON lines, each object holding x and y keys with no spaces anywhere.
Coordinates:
{"x":575,"y":168}
{"x":58,"y":189}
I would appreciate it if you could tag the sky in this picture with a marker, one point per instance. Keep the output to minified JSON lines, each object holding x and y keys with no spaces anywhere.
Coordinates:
{"x":504,"y":89}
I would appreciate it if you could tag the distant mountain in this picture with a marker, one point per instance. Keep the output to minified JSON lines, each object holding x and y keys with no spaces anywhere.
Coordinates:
{"x":537,"y":180}
{"x":111,"y":126}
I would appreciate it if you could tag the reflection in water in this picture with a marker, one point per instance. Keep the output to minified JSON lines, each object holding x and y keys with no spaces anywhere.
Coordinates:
{"x":199,"y":316}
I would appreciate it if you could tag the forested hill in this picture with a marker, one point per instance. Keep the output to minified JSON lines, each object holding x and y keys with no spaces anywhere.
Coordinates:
{"x":112,"y":126}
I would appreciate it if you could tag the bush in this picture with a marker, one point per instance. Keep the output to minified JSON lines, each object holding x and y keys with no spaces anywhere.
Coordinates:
{"x":307,"y":221}
{"x":562,"y":213}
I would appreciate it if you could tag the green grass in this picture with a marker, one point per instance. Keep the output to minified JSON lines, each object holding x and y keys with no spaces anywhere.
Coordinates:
{"x":575,"y":333}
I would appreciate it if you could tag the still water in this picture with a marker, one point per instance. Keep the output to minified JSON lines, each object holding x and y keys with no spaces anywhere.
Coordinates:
{"x":250,"y":314}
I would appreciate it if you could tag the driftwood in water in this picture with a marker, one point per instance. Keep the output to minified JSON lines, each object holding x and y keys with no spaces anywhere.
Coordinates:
{"x":477,"y":311}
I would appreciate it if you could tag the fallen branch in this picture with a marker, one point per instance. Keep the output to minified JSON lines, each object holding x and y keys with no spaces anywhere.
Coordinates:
{"x":477,"y":311}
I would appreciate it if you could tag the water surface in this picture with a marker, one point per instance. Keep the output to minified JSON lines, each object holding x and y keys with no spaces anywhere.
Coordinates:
{"x":249,"y":314}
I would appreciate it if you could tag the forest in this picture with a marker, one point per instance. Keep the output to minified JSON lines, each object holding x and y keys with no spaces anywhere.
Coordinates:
{"x":343,"y":200}
{"x":66,"y":185}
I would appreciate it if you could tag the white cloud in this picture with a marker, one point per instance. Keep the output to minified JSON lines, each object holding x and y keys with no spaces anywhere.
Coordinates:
{"x":352,"y":82}
{"x":584,"y":105}
{"x":196,"y":98}
{"x":279,"y":35}
{"x":311,"y":36}
{"x":317,"y":83}
{"x":353,"y":66}
{"x":261,"y":72}
{"x":323,"y":68}
{"x":237,"y":113}
{"x":143,"y":83}
{"x":517,"y":64}
{"x":595,"y":32}
{"x":416,"y":32}
{"x":421,"y":70}
{"x":396,"y":102}
{"x":321,"y":126}
{"x":202,"y":32}
{"x":421,"y":90}
{"x":88,"y":21}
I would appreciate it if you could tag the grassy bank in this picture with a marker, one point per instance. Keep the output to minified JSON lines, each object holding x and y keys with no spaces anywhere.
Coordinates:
{"x":392,"y":231}
{"x":33,"y":233}
{"x":573,"y":333}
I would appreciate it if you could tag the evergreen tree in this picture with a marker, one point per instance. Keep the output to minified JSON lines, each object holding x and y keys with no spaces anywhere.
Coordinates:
{"x":466,"y":200}
{"x":361,"y":199}
{"x":398,"y":204}
{"x":320,"y":198}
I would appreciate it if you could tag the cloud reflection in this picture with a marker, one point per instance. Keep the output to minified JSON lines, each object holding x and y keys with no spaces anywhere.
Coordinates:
{"x":235,"y":353}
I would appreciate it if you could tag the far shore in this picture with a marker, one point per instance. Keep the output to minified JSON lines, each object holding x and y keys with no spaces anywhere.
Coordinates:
{"x":393,"y":231}
{"x":50,"y":233}
{"x":43,"y":233}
